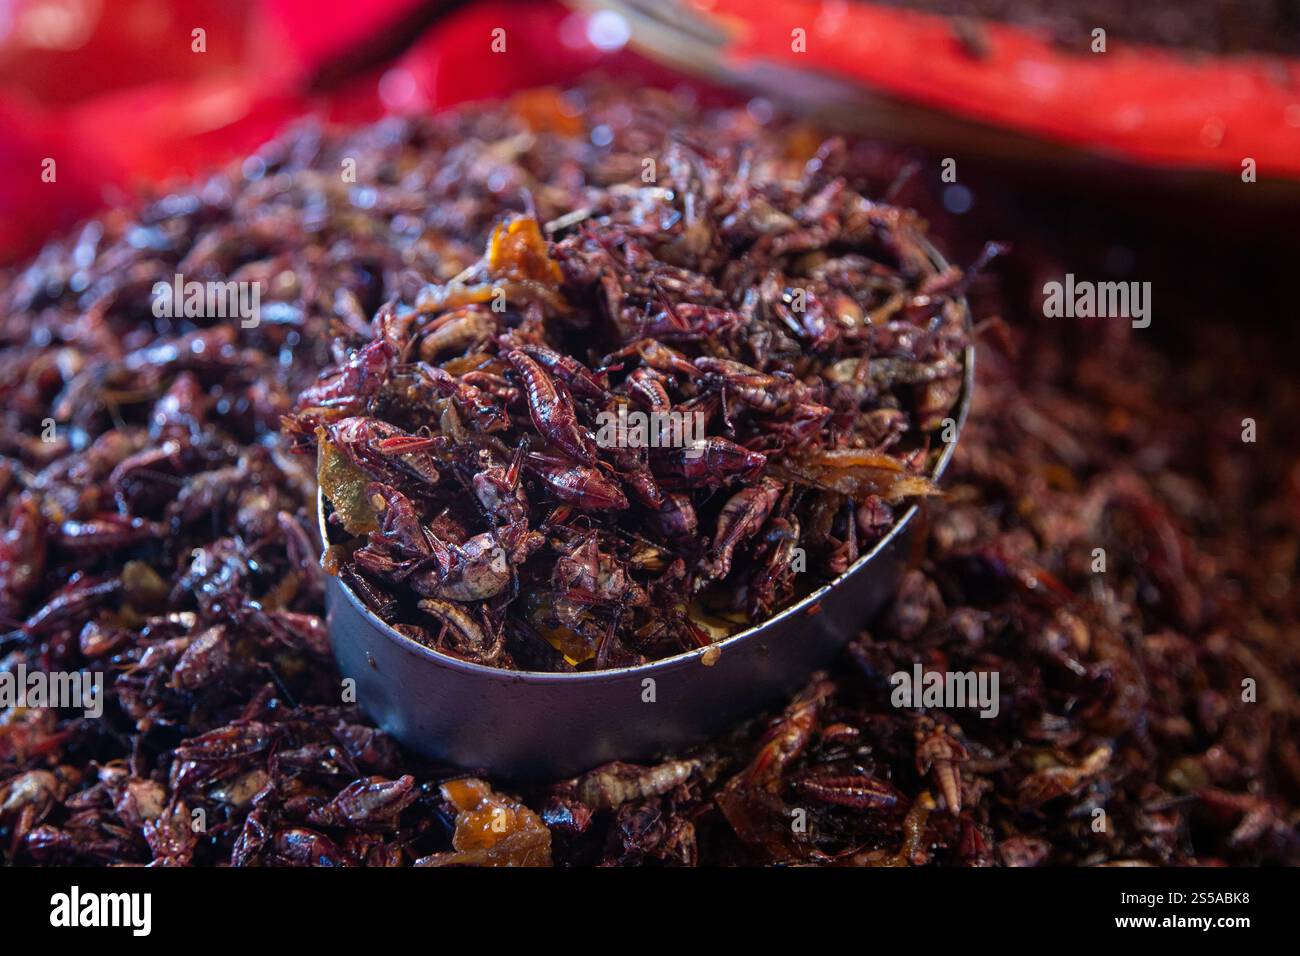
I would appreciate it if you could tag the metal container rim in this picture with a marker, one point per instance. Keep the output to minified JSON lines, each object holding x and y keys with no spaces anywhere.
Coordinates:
{"x":685,"y":658}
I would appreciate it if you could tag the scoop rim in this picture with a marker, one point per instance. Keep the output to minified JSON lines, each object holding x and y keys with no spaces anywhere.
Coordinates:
{"x":691,"y":657}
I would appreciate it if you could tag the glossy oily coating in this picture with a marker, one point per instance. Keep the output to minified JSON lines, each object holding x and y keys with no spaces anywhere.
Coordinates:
{"x":159,"y":534}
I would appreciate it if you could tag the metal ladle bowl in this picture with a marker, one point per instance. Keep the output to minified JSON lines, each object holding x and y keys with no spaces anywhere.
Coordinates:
{"x":525,"y":725}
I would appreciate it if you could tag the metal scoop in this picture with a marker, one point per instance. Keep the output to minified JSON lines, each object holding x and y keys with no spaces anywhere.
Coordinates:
{"x":526,"y":725}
